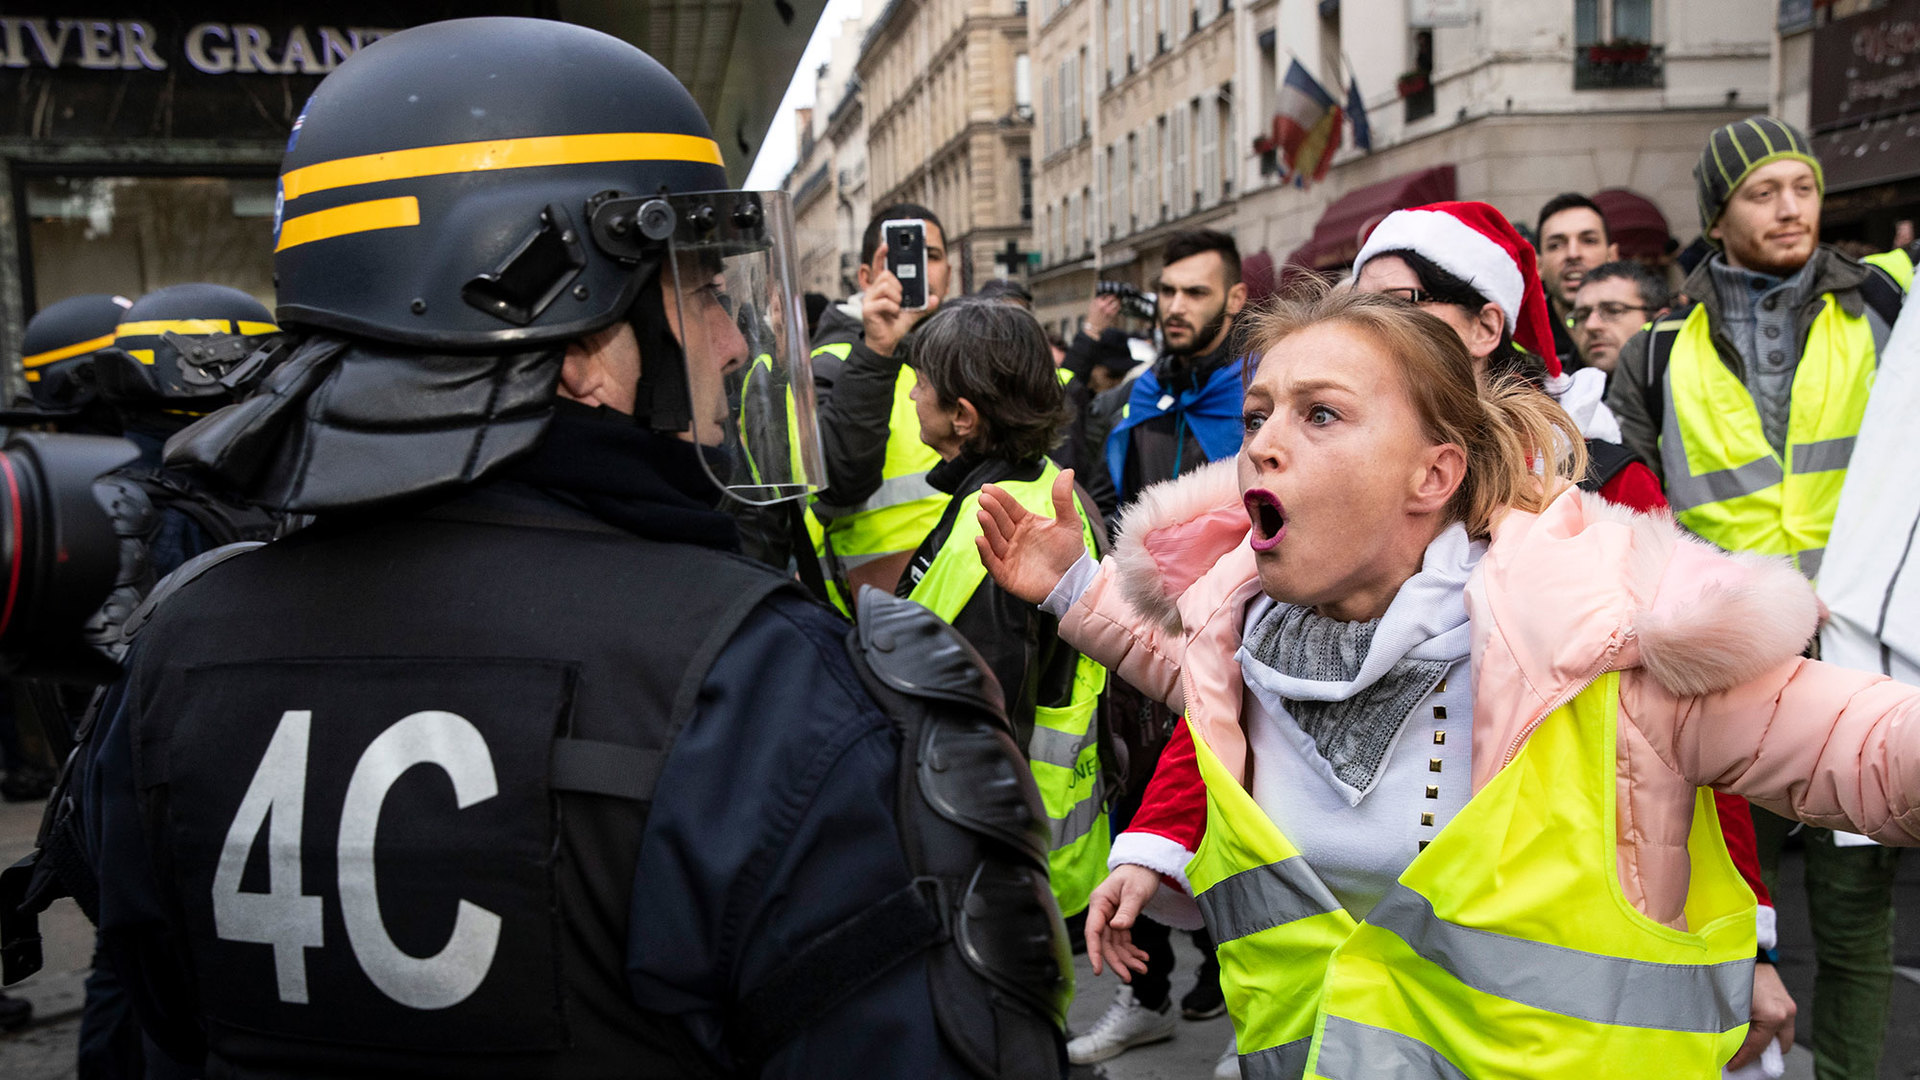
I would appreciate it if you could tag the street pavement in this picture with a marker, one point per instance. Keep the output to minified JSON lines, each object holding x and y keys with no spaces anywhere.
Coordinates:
{"x":45,"y":1050}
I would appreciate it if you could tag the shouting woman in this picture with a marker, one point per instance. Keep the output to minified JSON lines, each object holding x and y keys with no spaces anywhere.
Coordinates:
{"x":1454,"y":720}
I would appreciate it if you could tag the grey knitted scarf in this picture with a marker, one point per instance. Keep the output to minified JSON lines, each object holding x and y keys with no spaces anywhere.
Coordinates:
{"x":1353,"y":734}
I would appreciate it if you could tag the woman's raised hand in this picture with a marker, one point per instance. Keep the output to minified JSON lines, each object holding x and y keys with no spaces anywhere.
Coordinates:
{"x":1026,"y":553}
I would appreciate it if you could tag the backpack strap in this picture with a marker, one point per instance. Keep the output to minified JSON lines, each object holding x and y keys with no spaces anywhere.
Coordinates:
{"x":1883,"y":294}
{"x":1605,"y":460}
{"x":1660,"y":338}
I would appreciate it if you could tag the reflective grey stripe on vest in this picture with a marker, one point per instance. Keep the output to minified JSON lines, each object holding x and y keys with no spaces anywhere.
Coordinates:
{"x":1707,"y":998}
{"x":1686,"y":491}
{"x":1823,"y":456}
{"x":1057,"y":747}
{"x":891,"y":492}
{"x":1078,"y":822}
{"x":1809,"y":562}
{"x":1355,"y":1051}
{"x":1288,"y":1061}
{"x":1263,"y":898}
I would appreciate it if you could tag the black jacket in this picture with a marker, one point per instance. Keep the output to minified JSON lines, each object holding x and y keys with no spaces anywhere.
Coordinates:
{"x":1020,"y":643}
{"x":773,"y":819}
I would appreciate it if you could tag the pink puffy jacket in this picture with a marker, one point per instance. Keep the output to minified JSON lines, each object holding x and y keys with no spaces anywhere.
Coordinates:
{"x":1713,"y":690}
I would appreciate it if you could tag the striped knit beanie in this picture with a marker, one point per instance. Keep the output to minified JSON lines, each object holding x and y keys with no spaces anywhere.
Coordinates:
{"x":1739,"y":148}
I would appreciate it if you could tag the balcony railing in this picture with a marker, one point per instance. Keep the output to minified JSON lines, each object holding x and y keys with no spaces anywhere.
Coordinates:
{"x":1619,"y":65}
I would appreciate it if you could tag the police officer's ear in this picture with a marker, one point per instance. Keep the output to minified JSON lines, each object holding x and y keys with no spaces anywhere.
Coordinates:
{"x":602,"y":368}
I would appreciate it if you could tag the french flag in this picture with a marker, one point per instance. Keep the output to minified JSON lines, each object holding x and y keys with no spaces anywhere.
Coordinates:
{"x":1306,"y":126}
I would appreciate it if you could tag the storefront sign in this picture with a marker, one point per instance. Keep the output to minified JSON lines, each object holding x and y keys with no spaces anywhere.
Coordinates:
{"x":1866,"y":66}
{"x":214,"y":48}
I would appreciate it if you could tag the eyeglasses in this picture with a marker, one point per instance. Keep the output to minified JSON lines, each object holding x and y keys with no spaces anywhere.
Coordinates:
{"x":1412,"y":296}
{"x":1609,"y":310}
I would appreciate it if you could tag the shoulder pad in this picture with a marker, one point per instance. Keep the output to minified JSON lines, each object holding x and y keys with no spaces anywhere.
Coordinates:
{"x":127,"y":503}
{"x":910,"y":649}
{"x":178,"y":580}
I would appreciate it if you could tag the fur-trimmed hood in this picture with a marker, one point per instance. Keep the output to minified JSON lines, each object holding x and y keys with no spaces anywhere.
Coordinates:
{"x":1581,"y":588}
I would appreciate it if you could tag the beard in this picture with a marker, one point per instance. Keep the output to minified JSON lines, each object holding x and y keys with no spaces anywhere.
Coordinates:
{"x":1203,"y":338}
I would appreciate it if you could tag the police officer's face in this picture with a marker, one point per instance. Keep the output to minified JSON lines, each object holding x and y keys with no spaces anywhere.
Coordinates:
{"x":701,"y":318}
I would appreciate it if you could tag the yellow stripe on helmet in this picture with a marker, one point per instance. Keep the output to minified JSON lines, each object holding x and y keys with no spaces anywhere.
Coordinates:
{"x":352,"y":218}
{"x":156,"y":327}
{"x":52,"y":356}
{"x":492,"y":154}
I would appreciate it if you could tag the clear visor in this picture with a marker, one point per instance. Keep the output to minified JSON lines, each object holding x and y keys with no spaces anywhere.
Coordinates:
{"x":731,"y":291}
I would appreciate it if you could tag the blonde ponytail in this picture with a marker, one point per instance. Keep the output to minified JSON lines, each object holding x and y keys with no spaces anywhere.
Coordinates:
{"x":1527,"y":450}
{"x":1522,"y":448}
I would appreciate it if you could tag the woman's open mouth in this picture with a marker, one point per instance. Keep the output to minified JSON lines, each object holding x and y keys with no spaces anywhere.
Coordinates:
{"x":1269,"y":520}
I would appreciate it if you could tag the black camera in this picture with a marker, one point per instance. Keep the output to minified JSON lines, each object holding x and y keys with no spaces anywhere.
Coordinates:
{"x":59,"y":555}
{"x":1140,"y":305}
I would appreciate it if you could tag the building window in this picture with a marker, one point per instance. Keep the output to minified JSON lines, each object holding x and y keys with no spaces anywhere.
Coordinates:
{"x":1597,"y":22}
{"x":134,"y":234}
{"x":1133,"y":34}
{"x":1116,"y":41}
{"x":1022,"y":87}
{"x":1050,"y":119}
{"x":1026,"y":189}
{"x":1086,"y":227}
{"x":1116,"y":189}
{"x":1163,"y":138}
{"x":1076,"y":229}
{"x":1078,"y":65}
{"x":1613,"y":45}
{"x":1182,"y":175}
{"x":1205,"y":117}
{"x":1416,"y":86}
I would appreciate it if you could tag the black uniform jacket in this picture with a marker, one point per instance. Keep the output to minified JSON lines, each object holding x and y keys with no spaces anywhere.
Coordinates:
{"x":773,"y":819}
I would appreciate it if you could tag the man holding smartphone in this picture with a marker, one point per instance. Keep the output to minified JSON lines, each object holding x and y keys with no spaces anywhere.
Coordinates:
{"x":877,"y":505}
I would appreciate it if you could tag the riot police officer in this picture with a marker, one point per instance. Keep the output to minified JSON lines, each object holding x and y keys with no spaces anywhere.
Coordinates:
{"x":508,"y":765}
{"x":57,"y":355}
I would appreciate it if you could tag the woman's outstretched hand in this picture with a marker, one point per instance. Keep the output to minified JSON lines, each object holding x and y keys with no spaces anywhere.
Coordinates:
{"x":1111,"y":910}
{"x":1026,"y":553}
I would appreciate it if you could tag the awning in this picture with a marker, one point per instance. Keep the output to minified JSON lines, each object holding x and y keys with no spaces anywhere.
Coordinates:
{"x":1634,"y":223}
{"x":1343,"y":227}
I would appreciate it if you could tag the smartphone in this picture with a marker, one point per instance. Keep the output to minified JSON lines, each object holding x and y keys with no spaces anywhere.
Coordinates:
{"x":906,"y":240}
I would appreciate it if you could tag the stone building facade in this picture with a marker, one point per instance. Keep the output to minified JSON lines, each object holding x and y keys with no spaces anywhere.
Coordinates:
{"x":1506,"y":101}
{"x":948,"y":113}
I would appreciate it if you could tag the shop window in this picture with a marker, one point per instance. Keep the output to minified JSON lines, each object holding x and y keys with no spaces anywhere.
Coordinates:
{"x":133,"y":234}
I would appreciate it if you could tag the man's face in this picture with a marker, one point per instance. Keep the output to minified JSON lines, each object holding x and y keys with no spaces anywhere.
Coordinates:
{"x":1572,"y":242}
{"x":1771,"y":224}
{"x":702,"y":319}
{"x":1196,"y":302}
{"x":1606,"y":313}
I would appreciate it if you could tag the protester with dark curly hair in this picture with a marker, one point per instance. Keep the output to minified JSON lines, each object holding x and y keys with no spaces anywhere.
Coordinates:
{"x":991,"y":405}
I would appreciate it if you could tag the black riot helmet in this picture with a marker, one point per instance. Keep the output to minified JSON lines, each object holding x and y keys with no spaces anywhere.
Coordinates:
{"x":59,"y":347}
{"x":460,"y":201}
{"x":178,"y":347}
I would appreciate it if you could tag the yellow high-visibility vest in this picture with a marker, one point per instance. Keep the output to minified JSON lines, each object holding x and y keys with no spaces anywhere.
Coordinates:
{"x":1724,"y":480}
{"x":1064,"y":749}
{"x":904,"y":509}
{"x":1506,"y":950}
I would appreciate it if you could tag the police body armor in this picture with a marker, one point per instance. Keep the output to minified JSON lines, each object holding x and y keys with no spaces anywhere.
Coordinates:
{"x":405,"y":925}
{"x":138,"y":500}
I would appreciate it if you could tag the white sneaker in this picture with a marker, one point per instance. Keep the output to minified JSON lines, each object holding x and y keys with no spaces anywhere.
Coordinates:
{"x":1228,"y":1067}
{"x":1125,"y":1024}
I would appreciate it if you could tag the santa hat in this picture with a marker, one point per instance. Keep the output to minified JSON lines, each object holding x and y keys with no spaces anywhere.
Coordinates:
{"x":1475,"y":243}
